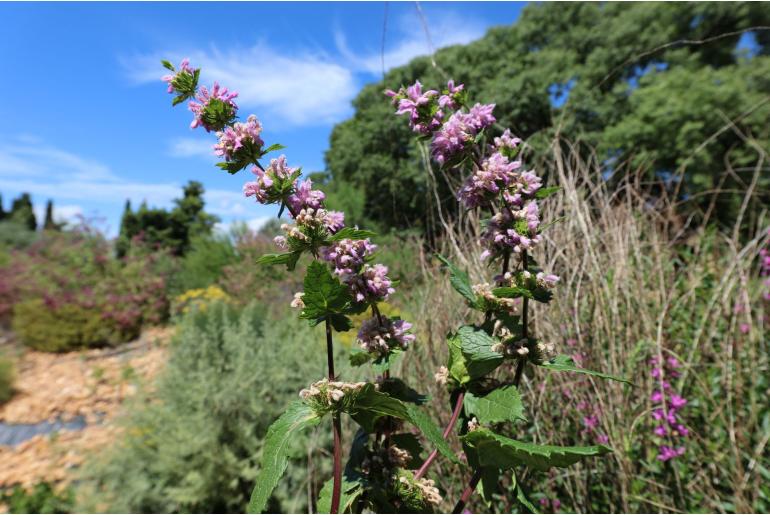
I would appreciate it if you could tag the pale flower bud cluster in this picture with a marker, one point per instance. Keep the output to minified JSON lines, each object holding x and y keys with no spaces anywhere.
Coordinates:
{"x":484,"y":291}
{"x":297,"y":301}
{"x":324,"y":393}
{"x":442,"y":375}
{"x":512,"y":348}
{"x":423,"y":487}
{"x":473,"y":424}
{"x":398,"y":457}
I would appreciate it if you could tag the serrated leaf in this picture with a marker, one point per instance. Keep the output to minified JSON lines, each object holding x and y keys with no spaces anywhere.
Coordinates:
{"x":340,"y":323}
{"x":459,"y":280}
{"x":398,"y":389}
{"x":498,"y":451}
{"x":350,"y":491}
{"x":562,"y":363}
{"x":544,"y":193}
{"x":324,"y":294}
{"x":275,"y":451}
{"x":500,"y":405}
{"x":348,"y":233}
{"x":430,"y":431}
{"x":476,"y":347}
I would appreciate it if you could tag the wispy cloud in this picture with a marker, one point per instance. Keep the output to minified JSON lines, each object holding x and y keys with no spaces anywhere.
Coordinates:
{"x":407,"y":40}
{"x":49,"y":172}
{"x":307,"y":88}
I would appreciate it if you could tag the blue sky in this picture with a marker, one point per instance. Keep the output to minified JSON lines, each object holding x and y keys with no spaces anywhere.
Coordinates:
{"x":85,"y":121}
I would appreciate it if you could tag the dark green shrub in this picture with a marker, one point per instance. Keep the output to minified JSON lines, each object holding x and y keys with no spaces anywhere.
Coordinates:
{"x":7,"y":375}
{"x":43,"y":498}
{"x":194,"y":445}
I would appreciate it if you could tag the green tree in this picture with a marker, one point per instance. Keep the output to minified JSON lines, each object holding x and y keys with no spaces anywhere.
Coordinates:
{"x":49,"y":224}
{"x":593,"y":72}
{"x":160,"y":228}
{"x":23,"y":213}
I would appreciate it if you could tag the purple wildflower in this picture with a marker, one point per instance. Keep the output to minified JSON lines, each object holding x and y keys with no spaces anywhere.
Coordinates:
{"x":507,"y":141}
{"x":480,"y":116}
{"x":450,"y":98}
{"x":347,"y":255}
{"x":184,"y":68}
{"x":452,"y":138}
{"x":262,"y":189}
{"x":382,"y":337}
{"x":371,"y":285}
{"x":670,"y":403}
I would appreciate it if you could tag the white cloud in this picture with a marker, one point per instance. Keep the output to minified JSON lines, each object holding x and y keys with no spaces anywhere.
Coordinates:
{"x":191,"y":147}
{"x":254,"y":224}
{"x":308,"y":87}
{"x":61,"y":214}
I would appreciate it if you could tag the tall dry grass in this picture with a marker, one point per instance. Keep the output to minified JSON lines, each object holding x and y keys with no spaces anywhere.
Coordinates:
{"x":637,"y":281}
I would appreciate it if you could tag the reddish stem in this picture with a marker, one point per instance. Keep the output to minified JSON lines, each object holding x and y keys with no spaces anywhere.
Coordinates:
{"x":452,"y":422}
{"x":468,"y":492}
{"x":337,"y":474}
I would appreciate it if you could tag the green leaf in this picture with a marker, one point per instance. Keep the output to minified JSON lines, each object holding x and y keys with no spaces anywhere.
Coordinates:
{"x":500,"y":405}
{"x":457,"y":366}
{"x":459,"y":280}
{"x":273,"y":148}
{"x":383,"y":363}
{"x":350,"y":491}
{"x":543,"y":193}
{"x":167,"y":65}
{"x":370,"y":405}
{"x":348,"y":233}
{"x":490,"y":482}
{"x":340,"y":323}
{"x":477,"y":351}
{"x":287,"y":258}
{"x":430,"y":431}
{"x":398,"y":389}
{"x":359,"y":357}
{"x":498,"y":451}
{"x":562,"y":363}
{"x":522,"y":498}
{"x":412,"y":445}
{"x":178,"y":100}
{"x":324,"y":294}
{"x":275,"y":452}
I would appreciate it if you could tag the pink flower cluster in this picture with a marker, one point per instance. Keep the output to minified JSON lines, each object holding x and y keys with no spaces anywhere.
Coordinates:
{"x":263,"y":188}
{"x":424,"y":115}
{"x":204,"y":100}
{"x":496,"y":173}
{"x":456,"y":135}
{"x":592,"y":422}
{"x":380,"y":337}
{"x":669,"y":403}
{"x":232,"y":139}
{"x":502,"y":234}
{"x":305,"y":196}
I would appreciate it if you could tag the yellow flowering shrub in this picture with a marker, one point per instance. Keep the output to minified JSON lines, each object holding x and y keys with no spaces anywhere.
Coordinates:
{"x":198,"y":299}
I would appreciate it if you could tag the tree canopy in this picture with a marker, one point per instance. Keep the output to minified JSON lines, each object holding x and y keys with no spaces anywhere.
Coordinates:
{"x":662,"y":87}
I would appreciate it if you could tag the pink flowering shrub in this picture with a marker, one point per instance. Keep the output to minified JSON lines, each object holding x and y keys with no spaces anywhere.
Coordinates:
{"x":343,"y":278}
{"x":67,"y":291}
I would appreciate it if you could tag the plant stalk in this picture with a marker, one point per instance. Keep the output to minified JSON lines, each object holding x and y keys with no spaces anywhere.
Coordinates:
{"x":452,"y":422}
{"x":468,"y":491}
{"x":337,"y":428}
